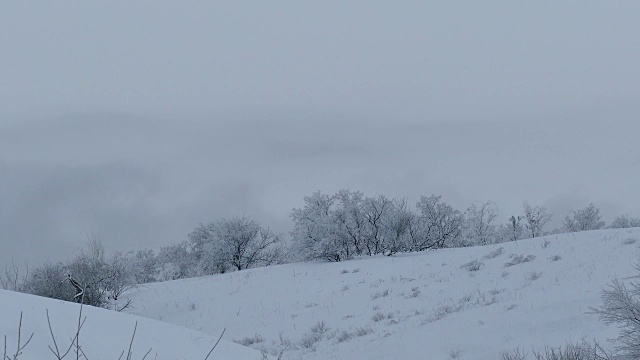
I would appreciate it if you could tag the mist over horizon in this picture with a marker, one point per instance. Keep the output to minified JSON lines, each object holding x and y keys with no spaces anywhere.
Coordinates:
{"x":136,"y":122}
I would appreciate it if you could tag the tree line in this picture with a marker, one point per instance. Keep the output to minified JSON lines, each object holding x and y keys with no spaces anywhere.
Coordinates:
{"x":328,"y":227}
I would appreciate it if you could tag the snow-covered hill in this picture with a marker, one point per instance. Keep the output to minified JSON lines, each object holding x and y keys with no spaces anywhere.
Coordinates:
{"x":105,"y":334}
{"x":468,"y":303}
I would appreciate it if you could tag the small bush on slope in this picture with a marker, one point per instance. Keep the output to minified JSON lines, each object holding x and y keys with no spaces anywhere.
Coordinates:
{"x":579,"y":351}
{"x":621,"y":305}
{"x":519,"y":259}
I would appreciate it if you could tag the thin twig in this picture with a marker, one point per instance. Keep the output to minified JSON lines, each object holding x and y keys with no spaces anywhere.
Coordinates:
{"x":216,"y":344}
{"x":21,"y":347}
{"x":131,"y":343}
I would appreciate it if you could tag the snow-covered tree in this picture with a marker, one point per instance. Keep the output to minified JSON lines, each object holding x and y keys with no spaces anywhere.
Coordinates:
{"x":513,"y":230}
{"x":120,"y":275}
{"x":315,"y":233}
{"x":437,"y":224}
{"x":536,"y":218}
{"x":143,"y":266}
{"x":49,"y":280}
{"x":621,"y":306}
{"x":624,"y":221}
{"x":348,"y":214}
{"x":480,"y":228}
{"x":175,"y":261}
{"x":584,"y":219}
{"x":397,"y":226}
{"x":237,"y":243}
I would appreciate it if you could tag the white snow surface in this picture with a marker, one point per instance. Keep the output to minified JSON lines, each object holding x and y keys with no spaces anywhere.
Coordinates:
{"x":105,"y":334}
{"x":424,"y":305}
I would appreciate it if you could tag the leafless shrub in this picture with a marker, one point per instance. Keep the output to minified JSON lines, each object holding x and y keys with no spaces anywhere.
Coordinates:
{"x":519,"y":259}
{"x":309,"y":340}
{"x":19,"y":346}
{"x":343,"y":336}
{"x":473,"y":265}
{"x":362,"y":331}
{"x":629,"y":241}
{"x":578,"y":351}
{"x":555,"y":257}
{"x":320,"y":328}
{"x":415,"y":292}
{"x":515,"y":354}
{"x":377,"y":317}
{"x":250,"y":340}
{"x":495,"y":253}
{"x":571,"y":351}
{"x":74,"y":348}
{"x":545,"y":244}
{"x":381,"y":294}
{"x":495,"y":292}
{"x":533,"y":276}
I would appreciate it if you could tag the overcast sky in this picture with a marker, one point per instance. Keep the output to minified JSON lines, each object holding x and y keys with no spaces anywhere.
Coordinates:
{"x":135,"y":121}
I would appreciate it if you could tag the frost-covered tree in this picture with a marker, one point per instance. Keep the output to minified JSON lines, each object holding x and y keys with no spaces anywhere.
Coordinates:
{"x":348,"y":214}
{"x":536,"y":218}
{"x":120,"y":277}
{"x":237,"y":243}
{"x":480,"y":228}
{"x":49,"y":280}
{"x":92,"y":272}
{"x":397,"y":226}
{"x":143,"y":266}
{"x":621,"y":306}
{"x":175,"y":261}
{"x":584,"y":219}
{"x":624,"y":221}
{"x":513,"y":230}
{"x":436,"y":225}
{"x":88,"y":277}
{"x":315,"y":233}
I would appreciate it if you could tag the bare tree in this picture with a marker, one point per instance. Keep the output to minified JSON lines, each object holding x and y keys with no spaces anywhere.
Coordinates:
{"x":12,"y":279}
{"x":536,"y":219}
{"x":376,"y":211}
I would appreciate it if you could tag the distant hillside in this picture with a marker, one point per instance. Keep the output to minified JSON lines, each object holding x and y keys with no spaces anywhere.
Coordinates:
{"x":463,"y":303}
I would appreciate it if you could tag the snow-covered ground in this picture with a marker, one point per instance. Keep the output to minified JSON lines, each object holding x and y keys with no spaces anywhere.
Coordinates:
{"x":469,"y":303}
{"x":104,"y":335}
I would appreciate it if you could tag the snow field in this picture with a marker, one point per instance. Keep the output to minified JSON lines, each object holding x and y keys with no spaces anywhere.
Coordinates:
{"x":464,"y":303}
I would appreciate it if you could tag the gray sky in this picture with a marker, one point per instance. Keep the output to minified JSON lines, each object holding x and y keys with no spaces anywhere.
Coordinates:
{"x":135,"y":121}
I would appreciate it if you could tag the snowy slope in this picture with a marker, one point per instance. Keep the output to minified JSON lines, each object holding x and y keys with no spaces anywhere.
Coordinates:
{"x":105,"y":334}
{"x":410,"y":306}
